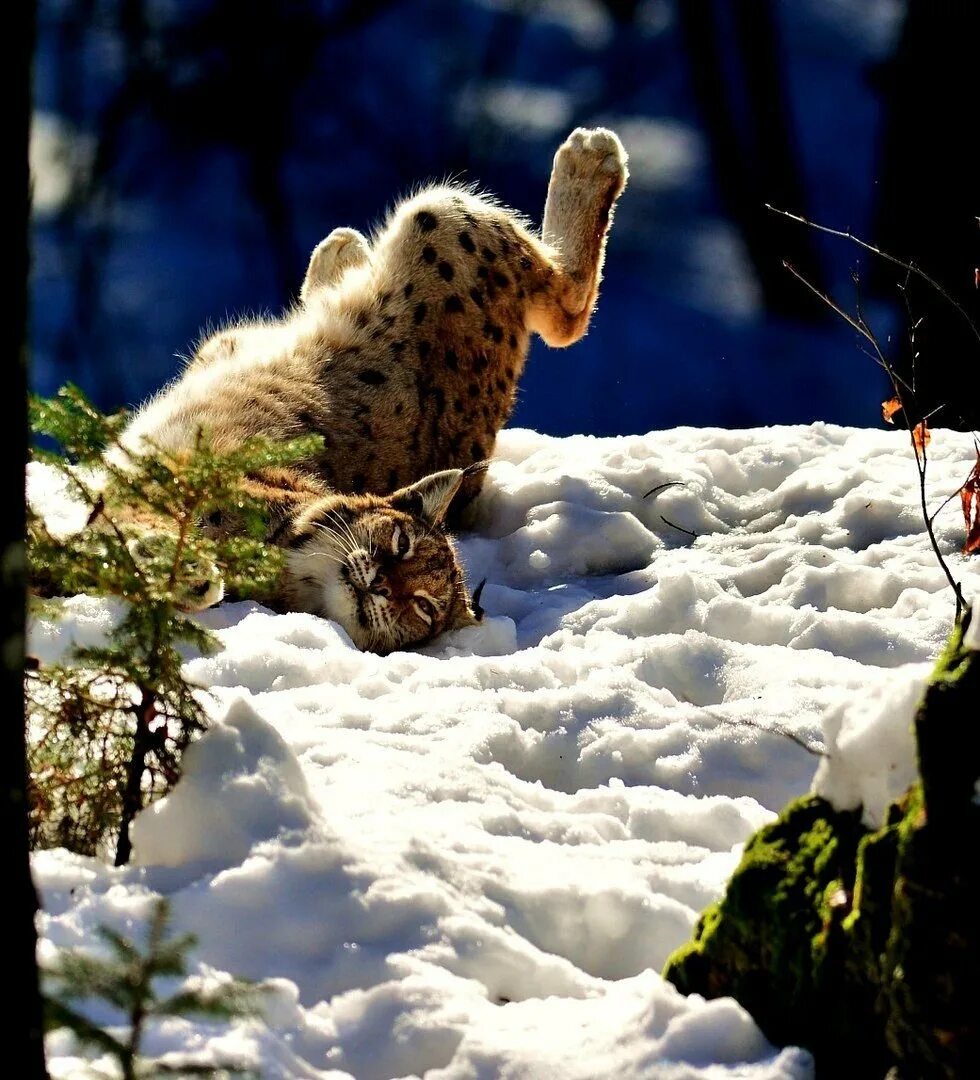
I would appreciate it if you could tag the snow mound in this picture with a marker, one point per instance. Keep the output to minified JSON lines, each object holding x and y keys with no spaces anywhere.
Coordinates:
{"x":241,"y":783}
{"x":471,"y":860}
{"x":870,"y":748}
{"x":870,"y":742}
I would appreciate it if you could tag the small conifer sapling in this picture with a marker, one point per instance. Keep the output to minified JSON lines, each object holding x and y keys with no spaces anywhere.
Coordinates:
{"x":127,"y":978}
{"x":107,"y":730}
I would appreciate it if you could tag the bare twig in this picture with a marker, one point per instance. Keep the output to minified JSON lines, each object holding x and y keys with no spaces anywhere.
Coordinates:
{"x":909,"y":267}
{"x":662,"y":487}
{"x":900,"y":387}
{"x":854,"y":323}
{"x":768,"y":729}
{"x":949,"y":498}
{"x":679,"y":528}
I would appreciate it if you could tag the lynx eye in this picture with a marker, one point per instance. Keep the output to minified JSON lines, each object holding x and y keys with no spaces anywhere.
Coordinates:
{"x":401,"y":542}
{"x":424,"y":608}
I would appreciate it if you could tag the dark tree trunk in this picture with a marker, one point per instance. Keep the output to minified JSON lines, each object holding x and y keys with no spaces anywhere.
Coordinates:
{"x":132,"y":797}
{"x":744,"y":104}
{"x":930,"y":199}
{"x":23,"y":1015}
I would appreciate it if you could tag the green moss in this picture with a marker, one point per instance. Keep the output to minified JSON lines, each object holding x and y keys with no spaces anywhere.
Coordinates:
{"x":772,"y":940}
{"x":867,"y":924}
{"x":864,"y":946}
{"x":947,"y":735}
{"x":932,"y":955}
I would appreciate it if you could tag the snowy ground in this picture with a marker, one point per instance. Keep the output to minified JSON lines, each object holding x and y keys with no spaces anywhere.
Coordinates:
{"x":473,"y":863}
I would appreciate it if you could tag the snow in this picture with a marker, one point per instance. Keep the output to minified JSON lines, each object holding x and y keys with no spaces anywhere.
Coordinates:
{"x":472,"y":861}
{"x":60,"y":161}
{"x":871,"y":748}
{"x":870,"y":745}
{"x":971,"y":639}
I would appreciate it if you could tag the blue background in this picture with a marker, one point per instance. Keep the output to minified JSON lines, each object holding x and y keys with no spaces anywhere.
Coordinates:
{"x":190,"y":154}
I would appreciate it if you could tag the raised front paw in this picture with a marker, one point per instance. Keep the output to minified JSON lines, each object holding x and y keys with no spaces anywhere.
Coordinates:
{"x":592,"y":155}
{"x":333,"y":257}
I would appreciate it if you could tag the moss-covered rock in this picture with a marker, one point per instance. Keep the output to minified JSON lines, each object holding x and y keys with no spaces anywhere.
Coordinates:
{"x":932,"y":956}
{"x":773,"y":942}
{"x":863,"y":946}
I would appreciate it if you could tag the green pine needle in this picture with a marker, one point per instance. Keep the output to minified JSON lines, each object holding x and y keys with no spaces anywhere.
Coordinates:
{"x":125,"y":979}
{"x":125,"y":704}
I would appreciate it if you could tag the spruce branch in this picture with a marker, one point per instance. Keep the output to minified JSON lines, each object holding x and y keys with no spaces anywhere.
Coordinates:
{"x":125,"y":978}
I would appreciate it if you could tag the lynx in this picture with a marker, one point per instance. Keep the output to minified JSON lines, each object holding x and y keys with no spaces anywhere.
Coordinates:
{"x":403,"y":353}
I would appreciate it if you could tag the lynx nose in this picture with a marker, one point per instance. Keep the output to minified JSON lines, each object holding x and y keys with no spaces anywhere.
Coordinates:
{"x":362,"y":570}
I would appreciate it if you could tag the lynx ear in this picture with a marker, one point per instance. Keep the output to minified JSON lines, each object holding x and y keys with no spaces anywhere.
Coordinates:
{"x":429,"y":499}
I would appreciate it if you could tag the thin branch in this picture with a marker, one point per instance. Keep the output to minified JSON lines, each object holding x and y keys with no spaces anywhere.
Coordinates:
{"x":679,"y":528}
{"x":949,"y":498}
{"x":93,"y":500}
{"x":662,"y":487}
{"x":829,"y":301}
{"x":855,"y":322}
{"x":773,"y":729}
{"x":909,"y":267}
{"x":899,"y":385}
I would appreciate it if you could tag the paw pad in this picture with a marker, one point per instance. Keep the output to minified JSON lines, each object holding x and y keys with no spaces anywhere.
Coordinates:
{"x":586,"y":153}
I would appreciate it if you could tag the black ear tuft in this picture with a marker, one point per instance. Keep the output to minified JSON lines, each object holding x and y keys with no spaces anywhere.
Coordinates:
{"x":290,"y":533}
{"x":476,"y":469}
{"x":478,"y":611}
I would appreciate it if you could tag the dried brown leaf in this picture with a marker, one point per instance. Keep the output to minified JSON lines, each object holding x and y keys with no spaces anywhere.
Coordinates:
{"x":970,"y":498}
{"x":889,"y":408}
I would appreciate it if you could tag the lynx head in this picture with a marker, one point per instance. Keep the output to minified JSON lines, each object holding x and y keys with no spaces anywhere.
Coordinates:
{"x":381,"y":566}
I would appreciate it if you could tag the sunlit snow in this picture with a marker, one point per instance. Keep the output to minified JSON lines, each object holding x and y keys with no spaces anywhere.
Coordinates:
{"x":473,"y":861}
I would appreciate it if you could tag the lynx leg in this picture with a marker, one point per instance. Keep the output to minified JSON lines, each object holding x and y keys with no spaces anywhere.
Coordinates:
{"x":588,"y":176}
{"x":332,"y":258}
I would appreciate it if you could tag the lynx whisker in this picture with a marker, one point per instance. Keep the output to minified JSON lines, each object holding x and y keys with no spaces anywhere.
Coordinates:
{"x":331,"y":556}
{"x":344,"y":530}
{"x":338,"y":542}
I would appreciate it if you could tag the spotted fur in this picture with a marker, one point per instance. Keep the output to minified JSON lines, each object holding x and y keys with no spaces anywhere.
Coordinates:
{"x":404,"y":354}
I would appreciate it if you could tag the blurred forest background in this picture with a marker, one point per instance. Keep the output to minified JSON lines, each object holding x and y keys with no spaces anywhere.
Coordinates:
{"x":189,"y":154}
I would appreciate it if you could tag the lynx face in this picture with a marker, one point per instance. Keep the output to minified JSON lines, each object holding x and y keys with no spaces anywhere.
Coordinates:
{"x":381,"y":567}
